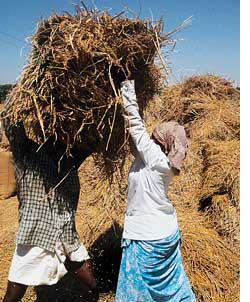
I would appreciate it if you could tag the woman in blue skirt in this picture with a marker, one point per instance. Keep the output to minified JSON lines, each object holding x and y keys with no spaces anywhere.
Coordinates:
{"x":151,"y":266}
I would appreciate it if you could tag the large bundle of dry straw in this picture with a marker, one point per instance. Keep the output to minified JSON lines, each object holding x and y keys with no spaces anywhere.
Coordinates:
{"x":70,"y":86}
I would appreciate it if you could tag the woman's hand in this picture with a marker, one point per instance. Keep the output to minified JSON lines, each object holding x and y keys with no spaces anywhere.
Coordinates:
{"x":128,"y":87}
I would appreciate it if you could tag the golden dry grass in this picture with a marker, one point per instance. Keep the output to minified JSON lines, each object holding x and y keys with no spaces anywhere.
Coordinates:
{"x":221,"y":169}
{"x":223,"y":216}
{"x":7,"y":178}
{"x":210,"y":230}
{"x":104,"y":200}
{"x":219,"y":121}
{"x":206,"y":193}
{"x":211,"y":263}
{"x":200,"y":97}
{"x":4,"y":144}
{"x":69,"y":88}
{"x":185,"y":189}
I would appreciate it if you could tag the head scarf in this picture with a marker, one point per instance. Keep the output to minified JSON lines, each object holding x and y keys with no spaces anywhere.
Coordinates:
{"x":172,"y":137}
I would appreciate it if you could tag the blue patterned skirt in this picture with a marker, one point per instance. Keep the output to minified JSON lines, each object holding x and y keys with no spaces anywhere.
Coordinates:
{"x":152,"y":270}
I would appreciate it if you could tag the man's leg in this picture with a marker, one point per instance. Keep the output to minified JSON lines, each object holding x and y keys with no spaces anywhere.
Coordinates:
{"x":84,"y":273}
{"x":15,"y":292}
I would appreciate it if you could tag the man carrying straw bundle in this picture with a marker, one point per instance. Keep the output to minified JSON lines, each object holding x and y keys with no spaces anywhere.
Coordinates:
{"x":151,"y":266}
{"x":68,"y":94}
{"x":47,"y":243}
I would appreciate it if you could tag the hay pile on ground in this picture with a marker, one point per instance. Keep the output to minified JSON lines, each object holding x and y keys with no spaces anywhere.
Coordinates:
{"x":4,"y":144}
{"x":209,"y":108}
{"x":206,"y":104}
{"x":221,"y":169}
{"x":210,"y":262}
{"x":223,"y":216}
{"x":70,"y":86}
{"x":206,"y":194}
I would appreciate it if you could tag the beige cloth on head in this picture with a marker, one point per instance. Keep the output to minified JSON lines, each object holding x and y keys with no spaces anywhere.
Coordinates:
{"x":173,"y":138}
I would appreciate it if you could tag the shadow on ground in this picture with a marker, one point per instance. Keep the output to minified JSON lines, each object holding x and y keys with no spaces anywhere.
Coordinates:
{"x":106,"y":256}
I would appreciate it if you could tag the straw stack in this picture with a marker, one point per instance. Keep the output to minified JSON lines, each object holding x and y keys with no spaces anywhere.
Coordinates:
{"x":7,"y":178}
{"x":201,"y":103}
{"x":206,"y":193}
{"x":3,"y":138}
{"x":70,"y":90}
{"x":210,"y":262}
{"x":223,"y":216}
{"x":209,"y":108}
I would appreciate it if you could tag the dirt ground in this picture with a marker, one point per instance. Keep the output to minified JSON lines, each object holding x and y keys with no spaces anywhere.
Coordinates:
{"x":8,"y":227}
{"x":65,"y":291}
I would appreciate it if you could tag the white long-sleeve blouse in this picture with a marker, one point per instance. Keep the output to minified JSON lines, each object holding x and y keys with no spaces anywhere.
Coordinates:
{"x":149,"y":213}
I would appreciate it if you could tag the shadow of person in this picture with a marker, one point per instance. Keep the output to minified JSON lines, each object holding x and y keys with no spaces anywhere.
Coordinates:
{"x":106,"y":256}
{"x":66,"y":290}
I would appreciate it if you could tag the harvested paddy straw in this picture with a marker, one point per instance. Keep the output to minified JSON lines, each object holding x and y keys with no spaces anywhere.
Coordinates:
{"x":185,"y":189}
{"x":198,"y":100}
{"x":221,"y":169}
{"x":209,"y":108}
{"x":206,"y":193}
{"x":223,"y":216}
{"x":70,"y":86}
{"x":210,"y":262}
